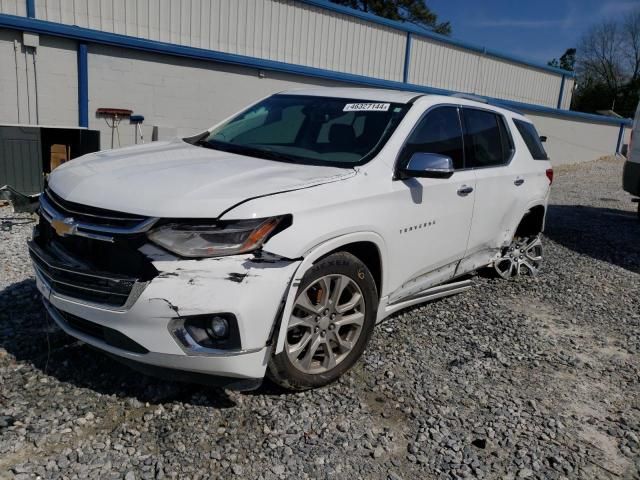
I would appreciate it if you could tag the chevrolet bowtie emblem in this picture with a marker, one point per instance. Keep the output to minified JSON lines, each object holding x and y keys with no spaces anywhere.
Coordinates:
{"x":64,"y":227}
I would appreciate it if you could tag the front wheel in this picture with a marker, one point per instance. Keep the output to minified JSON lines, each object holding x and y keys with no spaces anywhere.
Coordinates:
{"x":330,"y":324}
{"x":522,"y":256}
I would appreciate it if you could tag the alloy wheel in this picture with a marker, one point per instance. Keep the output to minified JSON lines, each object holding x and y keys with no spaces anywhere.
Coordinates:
{"x":325,"y":324}
{"x":524,"y":255}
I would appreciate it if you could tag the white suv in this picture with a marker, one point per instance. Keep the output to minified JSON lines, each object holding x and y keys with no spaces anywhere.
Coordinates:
{"x":274,"y":242}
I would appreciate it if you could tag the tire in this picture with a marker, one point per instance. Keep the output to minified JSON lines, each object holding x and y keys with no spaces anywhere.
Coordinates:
{"x":301,"y":368}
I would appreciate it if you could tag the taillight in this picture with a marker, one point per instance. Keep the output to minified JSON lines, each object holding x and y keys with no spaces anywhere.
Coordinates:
{"x":549,"y":173}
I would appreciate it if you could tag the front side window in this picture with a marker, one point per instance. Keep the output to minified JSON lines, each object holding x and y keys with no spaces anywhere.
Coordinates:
{"x":487,"y":142}
{"x":531,"y":139}
{"x":309,"y":129}
{"x":439,"y":132}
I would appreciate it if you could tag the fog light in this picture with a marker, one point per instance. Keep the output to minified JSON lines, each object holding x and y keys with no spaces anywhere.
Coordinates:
{"x":218,"y":331}
{"x":218,"y":328}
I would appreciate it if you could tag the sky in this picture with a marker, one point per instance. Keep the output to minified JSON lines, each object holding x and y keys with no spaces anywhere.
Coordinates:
{"x":535,"y":30}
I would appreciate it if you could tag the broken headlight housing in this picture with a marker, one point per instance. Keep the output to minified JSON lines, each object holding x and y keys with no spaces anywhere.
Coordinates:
{"x":215,"y":240}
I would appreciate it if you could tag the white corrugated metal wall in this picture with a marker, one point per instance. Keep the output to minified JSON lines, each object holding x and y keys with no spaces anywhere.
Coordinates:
{"x":13,"y":7}
{"x":448,"y":67}
{"x":302,"y":34}
{"x":165,"y":83}
{"x":284,"y":31}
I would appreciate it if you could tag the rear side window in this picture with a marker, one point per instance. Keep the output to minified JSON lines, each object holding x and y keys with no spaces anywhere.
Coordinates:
{"x":531,"y":139}
{"x":438,"y":131}
{"x":487,"y":140}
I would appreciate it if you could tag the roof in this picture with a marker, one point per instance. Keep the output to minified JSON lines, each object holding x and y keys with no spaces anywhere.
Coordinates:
{"x":398,"y":96}
{"x":372,"y":94}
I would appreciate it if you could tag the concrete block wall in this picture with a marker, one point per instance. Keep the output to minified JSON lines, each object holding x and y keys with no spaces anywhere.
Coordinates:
{"x":182,"y":95}
{"x":573,"y":141}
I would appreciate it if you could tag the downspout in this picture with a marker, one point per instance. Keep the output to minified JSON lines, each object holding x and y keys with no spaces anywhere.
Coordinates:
{"x":31,"y":8}
{"x":620,"y":135}
{"x":35,"y":85}
{"x":83,"y":86}
{"x":561,"y":94}
{"x":26,"y":72}
{"x":15,"y":54}
{"x":407,"y":59}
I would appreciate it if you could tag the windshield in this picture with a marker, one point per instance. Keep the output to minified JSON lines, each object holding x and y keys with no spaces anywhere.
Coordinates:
{"x":309,"y":129}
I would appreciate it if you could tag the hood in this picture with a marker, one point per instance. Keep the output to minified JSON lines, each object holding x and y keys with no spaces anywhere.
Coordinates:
{"x":179,"y":180}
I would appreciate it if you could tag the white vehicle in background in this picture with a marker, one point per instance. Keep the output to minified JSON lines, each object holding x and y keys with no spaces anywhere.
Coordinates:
{"x":631,"y":172}
{"x":273,"y":243}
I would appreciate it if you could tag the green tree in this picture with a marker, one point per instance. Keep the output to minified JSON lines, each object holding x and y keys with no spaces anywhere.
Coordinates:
{"x":567,"y":60}
{"x":412,"y":11}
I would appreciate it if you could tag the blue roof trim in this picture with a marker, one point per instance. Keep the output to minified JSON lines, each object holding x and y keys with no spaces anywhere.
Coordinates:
{"x":325,"y":4}
{"x":87,"y":35}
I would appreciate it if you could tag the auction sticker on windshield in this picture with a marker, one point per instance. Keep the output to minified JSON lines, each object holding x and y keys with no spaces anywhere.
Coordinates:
{"x":366,"y":107}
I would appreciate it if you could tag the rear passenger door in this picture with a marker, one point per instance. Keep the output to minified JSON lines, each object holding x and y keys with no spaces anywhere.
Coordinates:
{"x":489,"y":150}
{"x":430,"y":230}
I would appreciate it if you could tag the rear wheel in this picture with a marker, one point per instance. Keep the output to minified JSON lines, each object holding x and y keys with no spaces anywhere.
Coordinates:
{"x":522,"y":257}
{"x":330,"y":324}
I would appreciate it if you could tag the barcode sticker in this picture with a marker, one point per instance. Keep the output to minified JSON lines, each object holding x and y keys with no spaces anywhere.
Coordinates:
{"x":366,"y":107}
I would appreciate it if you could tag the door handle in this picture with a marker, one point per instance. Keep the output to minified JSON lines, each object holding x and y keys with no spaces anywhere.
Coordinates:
{"x":465,"y":190}
{"x":518,"y":182}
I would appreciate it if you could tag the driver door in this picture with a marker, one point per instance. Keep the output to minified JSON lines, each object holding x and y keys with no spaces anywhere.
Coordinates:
{"x":433,"y":224}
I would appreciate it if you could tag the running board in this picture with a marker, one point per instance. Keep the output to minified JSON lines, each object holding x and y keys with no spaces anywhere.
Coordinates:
{"x":432,"y":293}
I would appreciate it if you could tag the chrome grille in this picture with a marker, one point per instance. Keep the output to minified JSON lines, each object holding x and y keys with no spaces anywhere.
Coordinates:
{"x":72,"y":281}
{"x":91,"y":222}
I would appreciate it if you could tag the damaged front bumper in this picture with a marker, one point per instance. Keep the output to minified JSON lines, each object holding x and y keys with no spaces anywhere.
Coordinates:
{"x":142,"y":332}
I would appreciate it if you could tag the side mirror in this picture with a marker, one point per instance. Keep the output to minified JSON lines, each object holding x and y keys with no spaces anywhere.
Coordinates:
{"x":431,"y":165}
{"x":543,"y":138}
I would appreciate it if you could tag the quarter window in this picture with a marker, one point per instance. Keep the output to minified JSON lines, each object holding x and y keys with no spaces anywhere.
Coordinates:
{"x":439,"y":131}
{"x":531,"y":139}
{"x":487,"y":141}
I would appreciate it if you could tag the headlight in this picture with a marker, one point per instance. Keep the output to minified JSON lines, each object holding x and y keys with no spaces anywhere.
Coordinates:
{"x":214,"y":240}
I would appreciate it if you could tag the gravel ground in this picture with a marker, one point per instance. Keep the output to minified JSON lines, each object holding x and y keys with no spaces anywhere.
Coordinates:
{"x":532,"y":378}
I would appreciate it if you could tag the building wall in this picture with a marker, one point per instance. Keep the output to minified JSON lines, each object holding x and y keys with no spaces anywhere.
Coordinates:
{"x":569,"y":85}
{"x":282,"y":30}
{"x":38,"y":86}
{"x":574,"y":141}
{"x":294,"y":42}
{"x":313,"y":34}
{"x":13,"y":7}
{"x":182,"y":96}
{"x":462,"y":70}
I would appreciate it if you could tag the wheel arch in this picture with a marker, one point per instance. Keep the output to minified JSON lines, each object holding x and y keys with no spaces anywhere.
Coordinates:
{"x":364,"y":245}
{"x":532,"y":222}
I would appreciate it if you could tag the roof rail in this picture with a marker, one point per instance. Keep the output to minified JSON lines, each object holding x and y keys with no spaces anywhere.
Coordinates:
{"x":489,"y":101}
{"x":468,"y":96}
